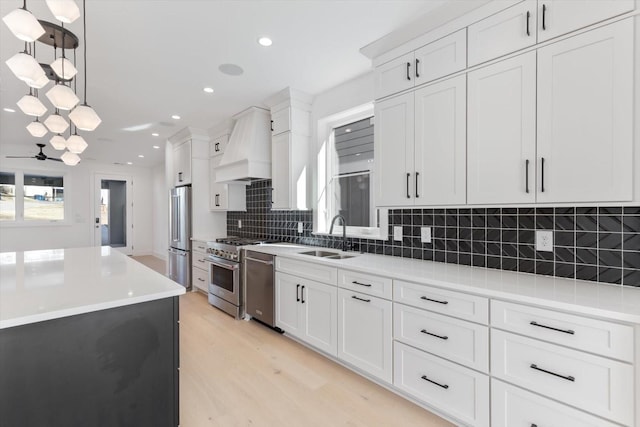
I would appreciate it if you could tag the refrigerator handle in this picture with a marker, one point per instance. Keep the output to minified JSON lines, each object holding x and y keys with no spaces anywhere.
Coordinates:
{"x":174,"y":218}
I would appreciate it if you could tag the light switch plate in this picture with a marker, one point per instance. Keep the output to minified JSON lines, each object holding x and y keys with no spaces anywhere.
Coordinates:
{"x":544,"y":241}
{"x":425,"y":234}
{"x":397,"y":233}
{"x":300,"y":227}
{"x":239,"y":223}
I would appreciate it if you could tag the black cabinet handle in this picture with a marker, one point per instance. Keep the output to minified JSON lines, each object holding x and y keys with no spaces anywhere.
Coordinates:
{"x":424,"y":377}
{"x":408,"y":68}
{"x":360,"y":299}
{"x":526,"y":175}
{"x":298,"y":293}
{"x":528,"y":17}
{"x":417,"y":72}
{"x":179,"y":176}
{"x":271,"y":125}
{"x":217,"y":147}
{"x":533,"y":425}
{"x":368,"y":285}
{"x":408,"y":176}
{"x":217,"y":200}
{"x":544,"y":16}
{"x":272,"y":190}
{"x":564,"y":377}
{"x":302,"y":295}
{"x":542,"y":174}
{"x":564,"y":331}
{"x":417,"y":178}
{"x":201,"y":279}
{"x":442,"y":337}
{"x":434,"y":300}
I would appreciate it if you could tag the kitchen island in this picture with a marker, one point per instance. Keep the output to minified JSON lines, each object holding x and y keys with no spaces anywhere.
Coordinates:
{"x":87,"y":337}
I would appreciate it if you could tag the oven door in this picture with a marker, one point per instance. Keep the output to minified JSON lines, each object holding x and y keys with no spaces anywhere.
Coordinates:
{"x":224,"y":279}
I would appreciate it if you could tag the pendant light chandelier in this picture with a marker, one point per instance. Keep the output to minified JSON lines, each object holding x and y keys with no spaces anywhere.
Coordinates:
{"x":63,"y":72}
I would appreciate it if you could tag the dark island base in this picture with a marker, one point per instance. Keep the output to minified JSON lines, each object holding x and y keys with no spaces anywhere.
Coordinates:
{"x":115,"y":367}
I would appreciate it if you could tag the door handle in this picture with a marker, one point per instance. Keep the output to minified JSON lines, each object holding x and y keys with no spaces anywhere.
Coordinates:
{"x":417,"y":71}
{"x":417,"y":179}
{"x":526,"y":175}
{"x":360,"y":299}
{"x":544,"y":16}
{"x":528,"y":18}
{"x":542,"y":174}
{"x":302,"y":294}
{"x":444,"y":386}
{"x":298,"y":293}
{"x":564,"y":377}
{"x":408,"y":176}
{"x":408,"y":69}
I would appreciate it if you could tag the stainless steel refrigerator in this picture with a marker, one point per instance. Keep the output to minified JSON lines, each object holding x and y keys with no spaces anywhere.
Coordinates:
{"x":180,"y":236}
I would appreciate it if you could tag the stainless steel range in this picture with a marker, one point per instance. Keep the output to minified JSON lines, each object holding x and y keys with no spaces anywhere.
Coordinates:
{"x":225,"y":289}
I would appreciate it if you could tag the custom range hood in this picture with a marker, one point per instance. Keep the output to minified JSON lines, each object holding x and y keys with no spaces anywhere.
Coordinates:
{"x":248,"y":153}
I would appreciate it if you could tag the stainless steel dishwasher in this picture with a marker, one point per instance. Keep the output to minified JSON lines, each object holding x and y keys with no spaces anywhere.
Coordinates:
{"x":259,"y":286}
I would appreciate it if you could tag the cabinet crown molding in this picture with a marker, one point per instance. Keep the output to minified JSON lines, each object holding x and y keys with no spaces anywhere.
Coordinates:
{"x":289,"y":96}
{"x":188,"y":133}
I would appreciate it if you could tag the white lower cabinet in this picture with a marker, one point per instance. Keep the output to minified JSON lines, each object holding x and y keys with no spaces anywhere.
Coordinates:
{"x":458,"y":391}
{"x":513,"y":406}
{"x":364,"y":333}
{"x":307,"y":310}
{"x":596,"y":384}
{"x":199,"y":266}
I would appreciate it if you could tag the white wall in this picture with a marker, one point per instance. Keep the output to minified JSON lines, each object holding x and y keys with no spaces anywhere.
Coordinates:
{"x":78,"y":227}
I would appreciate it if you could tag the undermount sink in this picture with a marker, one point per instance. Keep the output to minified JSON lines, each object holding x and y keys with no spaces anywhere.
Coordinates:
{"x":327,"y":254}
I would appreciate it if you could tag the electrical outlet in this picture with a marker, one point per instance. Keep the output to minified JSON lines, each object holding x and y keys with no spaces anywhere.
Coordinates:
{"x":300,"y":227}
{"x":239,"y":223}
{"x":544,"y":241}
{"x":425,"y":234}
{"x":397,"y":233}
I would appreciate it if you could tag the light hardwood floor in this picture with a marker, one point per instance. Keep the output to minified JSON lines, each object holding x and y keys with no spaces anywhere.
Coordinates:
{"x":152,"y":262}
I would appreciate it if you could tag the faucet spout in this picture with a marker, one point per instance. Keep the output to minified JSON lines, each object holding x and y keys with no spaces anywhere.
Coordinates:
{"x":345,"y":244}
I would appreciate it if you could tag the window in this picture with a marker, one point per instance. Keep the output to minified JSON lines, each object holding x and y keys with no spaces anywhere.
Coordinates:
{"x":31,"y":198}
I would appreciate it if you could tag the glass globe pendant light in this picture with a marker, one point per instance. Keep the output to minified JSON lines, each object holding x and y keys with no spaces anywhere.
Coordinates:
{"x":58,"y":142}
{"x":31,"y":105}
{"x":62,"y":97}
{"x":37,"y":129}
{"x":70,"y":159}
{"x":64,"y":10}
{"x":26,"y":68}
{"x":56,"y":123}
{"x":76,"y":144}
{"x":23,"y":24}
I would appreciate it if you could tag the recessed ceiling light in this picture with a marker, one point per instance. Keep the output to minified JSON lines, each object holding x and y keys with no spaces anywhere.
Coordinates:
{"x":129,"y":163}
{"x":140,"y":155}
{"x":230,"y":69}
{"x":347,"y":130}
{"x":208,"y":89}
{"x":155,"y":134}
{"x":265,"y":41}
{"x":156,"y":146}
{"x":175,"y":117}
{"x":9,"y":110}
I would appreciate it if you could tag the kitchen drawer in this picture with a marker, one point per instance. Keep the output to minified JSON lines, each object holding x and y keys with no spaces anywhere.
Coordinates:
{"x":441,"y":58}
{"x":309,"y":270}
{"x":513,"y":406}
{"x":200,"y":279}
{"x":456,"y":304}
{"x":366,"y":283}
{"x":595,"y":336}
{"x":598,"y":385}
{"x":456,"y":390}
{"x":199,"y":246}
{"x":199,"y":261}
{"x":456,"y":340}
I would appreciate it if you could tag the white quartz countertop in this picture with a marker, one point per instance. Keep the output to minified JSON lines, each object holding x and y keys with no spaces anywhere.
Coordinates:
{"x":49,"y":284}
{"x":602,"y":300}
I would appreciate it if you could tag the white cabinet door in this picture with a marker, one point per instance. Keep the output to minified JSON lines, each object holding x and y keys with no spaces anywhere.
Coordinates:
{"x":585,"y":116}
{"x":182,"y":164}
{"x":505,"y":32}
{"x":501,"y":144}
{"x":319,"y":304}
{"x":364,"y":333}
{"x":394,"y":76}
{"x":557,"y":17}
{"x":281,"y":121}
{"x":393,"y":142}
{"x":440,"y":143}
{"x":440,"y":58}
{"x":280,"y":170}
{"x":288,"y":314}
{"x":218,"y":145}
{"x":217,"y":196}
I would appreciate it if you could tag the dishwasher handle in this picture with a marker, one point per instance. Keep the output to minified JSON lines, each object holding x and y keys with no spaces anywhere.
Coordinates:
{"x":258,"y":260}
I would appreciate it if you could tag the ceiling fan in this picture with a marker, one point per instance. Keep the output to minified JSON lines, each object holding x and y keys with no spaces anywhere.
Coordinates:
{"x":39,"y":156}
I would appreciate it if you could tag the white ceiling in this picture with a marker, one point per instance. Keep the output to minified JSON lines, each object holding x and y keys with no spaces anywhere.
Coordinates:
{"x":151,"y":59}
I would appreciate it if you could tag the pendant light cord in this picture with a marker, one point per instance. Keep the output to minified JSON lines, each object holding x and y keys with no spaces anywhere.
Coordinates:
{"x":84,"y":35}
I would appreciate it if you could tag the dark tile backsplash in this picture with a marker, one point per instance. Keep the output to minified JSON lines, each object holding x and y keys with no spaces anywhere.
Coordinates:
{"x":590,"y":243}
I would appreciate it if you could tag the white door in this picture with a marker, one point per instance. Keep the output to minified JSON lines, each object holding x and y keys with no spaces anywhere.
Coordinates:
{"x":113,"y":212}
{"x":440,"y":143}
{"x":393,"y":145}
{"x":280,"y":168}
{"x":364,"y":333}
{"x":288,"y":310}
{"x":320,"y":310}
{"x":585,"y":116}
{"x":501,"y":134}
{"x":394,"y":76}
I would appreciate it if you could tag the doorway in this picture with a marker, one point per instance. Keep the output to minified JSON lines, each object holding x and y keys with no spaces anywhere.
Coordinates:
{"x":113,"y":219}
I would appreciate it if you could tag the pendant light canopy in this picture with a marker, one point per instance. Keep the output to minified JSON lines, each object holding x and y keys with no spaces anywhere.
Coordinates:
{"x":24,"y":25}
{"x":32,"y":106}
{"x":37,"y":129}
{"x":70,"y":158}
{"x":62,"y":97}
{"x":76,"y":144}
{"x":64,"y":10}
{"x":26,"y":68}
{"x":58,"y":142}
{"x":56,"y":123}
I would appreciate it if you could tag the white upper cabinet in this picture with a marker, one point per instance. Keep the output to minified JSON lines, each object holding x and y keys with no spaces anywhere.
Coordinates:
{"x":501,"y":132}
{"x":585,"y":116}
{"x":438,"y":59}
{"x":505,"y":32}
{"x":182,"y":164}
{"x":218,"y":145}
{"x":557,"y":17}
{"x":224,"y":197}
{"x":281,"y":121}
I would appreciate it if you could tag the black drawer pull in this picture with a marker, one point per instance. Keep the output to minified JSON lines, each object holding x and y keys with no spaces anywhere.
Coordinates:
{"x":528,"y":17}
{"x":368,"y":285}
{"x":302,"y":295}
{"x":201,"y":279}
{"x":298,"y":293}
{"x":544,"y":16}
{"x":408,"y":176}
{"x":360,"y":299}
{"x":424,"y":377}
{"x":408,"y":68}
{"x":564,"y":377}
{"x":564,"y":331}
{"x":442,"y":337}
{"x":434,"y":300}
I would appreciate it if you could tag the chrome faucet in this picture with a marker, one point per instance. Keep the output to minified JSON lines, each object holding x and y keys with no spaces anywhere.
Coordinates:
{"x":345,"y":245}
